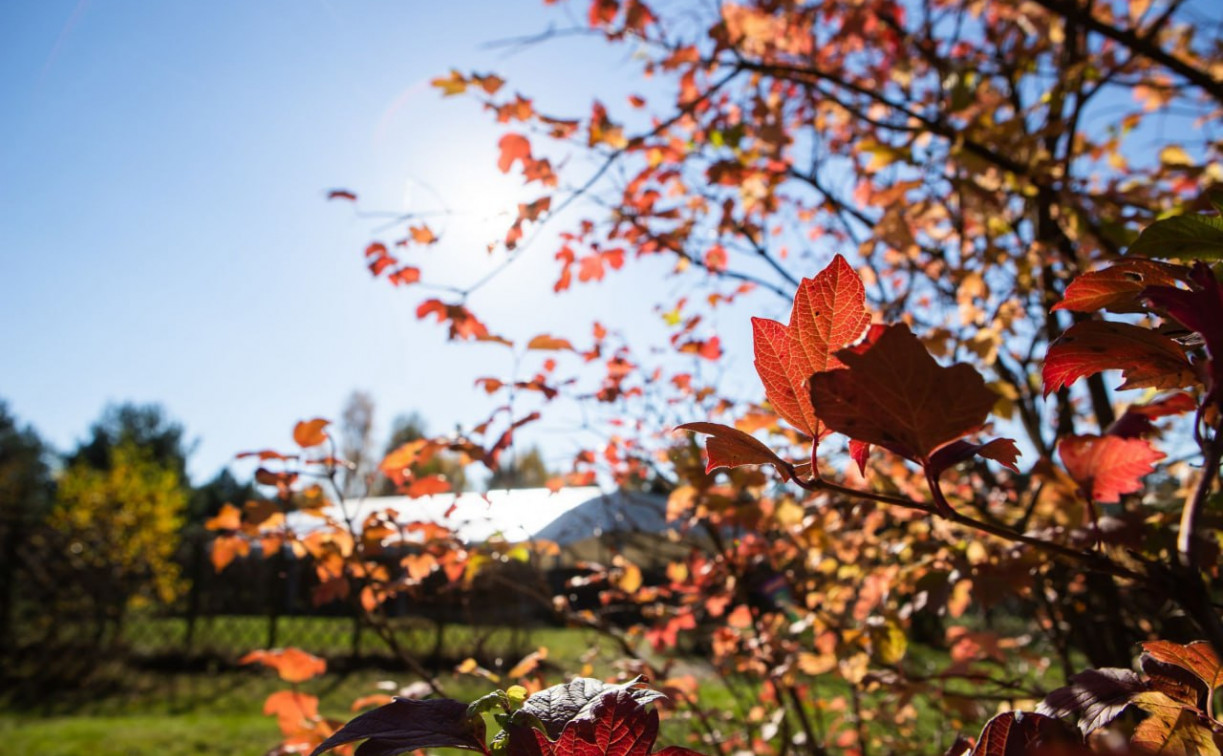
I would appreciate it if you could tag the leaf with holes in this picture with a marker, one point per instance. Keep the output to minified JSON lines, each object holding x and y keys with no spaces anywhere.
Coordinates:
{"x":896,"y":396}
{"x":1145,"y":358}
{"x":729,"y":447}
{"x":1118,"y":287}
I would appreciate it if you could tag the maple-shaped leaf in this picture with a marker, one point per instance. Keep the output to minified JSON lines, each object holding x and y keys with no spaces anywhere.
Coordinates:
{"x":1107,"y":466}
{"x":1094,"y":697}
{"x":309,"y":433}
{"x":829,"y":314}
{"x":407,"y":725}
{"x":1188,"y":673}
{"x":1199,"y":309}
{"x":1173,"y":729}
{"x":1185,"y":236}
{"x":896,"y":396}
{"x":1145,"y":358}
{"x":1019,"y":733}
{"x":1117,"y":288}
{"x":729,"y":447}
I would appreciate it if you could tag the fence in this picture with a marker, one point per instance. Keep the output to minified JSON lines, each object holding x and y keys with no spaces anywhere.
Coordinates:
{"x":59,"y":619}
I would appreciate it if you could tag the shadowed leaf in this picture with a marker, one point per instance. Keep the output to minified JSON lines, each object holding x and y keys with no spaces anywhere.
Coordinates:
{"x":896,"y":396}
{"x":408,"y":725}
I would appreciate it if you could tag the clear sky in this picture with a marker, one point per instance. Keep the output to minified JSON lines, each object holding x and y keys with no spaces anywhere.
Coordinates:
{"x":164,"y":235}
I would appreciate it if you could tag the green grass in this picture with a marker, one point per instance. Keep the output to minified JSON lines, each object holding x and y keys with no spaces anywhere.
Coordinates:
{"x":136,"y":735}
{"x":124,"y":709}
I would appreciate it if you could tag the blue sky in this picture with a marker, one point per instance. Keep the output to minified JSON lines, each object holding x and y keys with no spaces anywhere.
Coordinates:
{"x":163,"y":230}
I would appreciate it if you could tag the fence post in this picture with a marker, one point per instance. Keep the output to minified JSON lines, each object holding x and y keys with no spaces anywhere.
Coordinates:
{"x":275,"y":596}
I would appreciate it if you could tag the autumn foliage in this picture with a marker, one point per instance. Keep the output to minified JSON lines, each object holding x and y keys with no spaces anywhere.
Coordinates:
{"x":959,"y":206}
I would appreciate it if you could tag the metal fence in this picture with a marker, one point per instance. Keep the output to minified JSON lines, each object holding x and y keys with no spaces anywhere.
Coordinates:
{"x":58,"y":619}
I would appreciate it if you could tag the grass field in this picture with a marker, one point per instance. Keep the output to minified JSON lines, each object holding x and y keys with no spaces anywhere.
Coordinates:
{"x":130,"y":709}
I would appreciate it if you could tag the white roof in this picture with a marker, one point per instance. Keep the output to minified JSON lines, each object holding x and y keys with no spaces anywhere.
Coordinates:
{"x":515,"y":515}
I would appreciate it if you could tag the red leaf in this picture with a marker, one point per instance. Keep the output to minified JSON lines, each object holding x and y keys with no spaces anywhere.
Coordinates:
{"x":428,"y":486}
{"x":896,"y":396}
{"x":1199,"y":309}
{"x":1001,"y":450}
{"x":405,"y":275}
{"x":1117,"y":288}
{"x":1018,"y":733}
{"x":729,"y":447}
{"x":859,"y":452}
{"x":829,"y":313}
{"x":513,"y":147}
{"x":1146,"y":359}
{"x":343,"y":194}
{"x":1107,"y":466}
{"x":1137,"y":419}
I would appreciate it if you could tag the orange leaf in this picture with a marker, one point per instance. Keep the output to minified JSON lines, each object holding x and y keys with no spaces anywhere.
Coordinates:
{"x":428,"y":486}
{"x":528,"y":663}
{"x":1146,"y":359}
{"x":376,"y":699}
{"x":513,"y":147}
{"x":226,"y":548}
{"x":293,"y":664}
{"x":422,"y":234}
{"x":896,"y":396}
{"x":310,"y":432}
{"x":229,"y":518}
{"x":545,"y":342}
{"x":730,"y":447}
{"x":295,"y":712}
{"x":1107,"y":466}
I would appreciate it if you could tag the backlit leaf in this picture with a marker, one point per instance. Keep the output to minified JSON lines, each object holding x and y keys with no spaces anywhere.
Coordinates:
{"x":309,"y":433}
{"x":1185,"y":236}
{"x":1146,"y":358}
{"x":1018,"y":733}
{"x":514,"y":147}
{"x":729,"y":447}
{"x":292,"y":664}
{"x":1117,"y":287}
{"x":1107,"y":466}
{"x":829,"y":314}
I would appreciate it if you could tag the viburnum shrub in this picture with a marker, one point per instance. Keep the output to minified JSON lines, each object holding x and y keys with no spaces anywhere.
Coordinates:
{"x":948,"y":197}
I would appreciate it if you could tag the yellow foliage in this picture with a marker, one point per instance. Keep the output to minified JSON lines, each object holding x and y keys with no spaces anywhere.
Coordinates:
{"x":125,"y":521}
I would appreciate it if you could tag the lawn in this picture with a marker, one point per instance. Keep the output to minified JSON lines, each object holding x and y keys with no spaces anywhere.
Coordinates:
{"x":135,"y":709}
